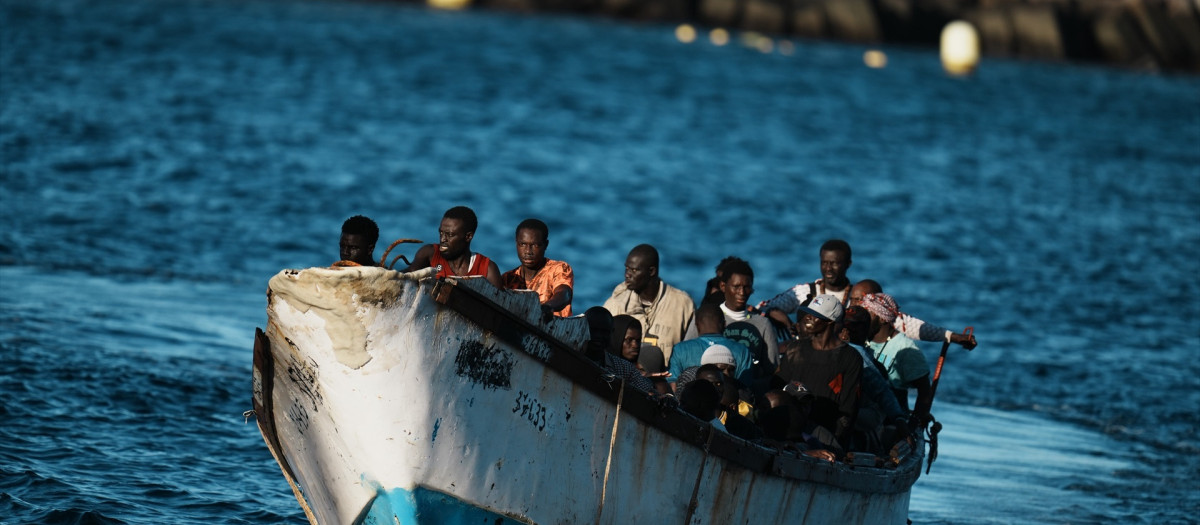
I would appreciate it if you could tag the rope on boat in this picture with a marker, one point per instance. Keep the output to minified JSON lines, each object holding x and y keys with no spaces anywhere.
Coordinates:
{"x":612,"y":441}
{"x":933,"y":442}
{"x":247,"y":415}
{"x":695,"y":501}
{"x":398,"y":257}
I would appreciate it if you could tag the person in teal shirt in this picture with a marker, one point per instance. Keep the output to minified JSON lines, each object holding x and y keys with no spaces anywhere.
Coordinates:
{"x":905,"y":364}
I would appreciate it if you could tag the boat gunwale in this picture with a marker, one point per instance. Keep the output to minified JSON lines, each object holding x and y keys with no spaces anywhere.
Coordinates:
{"x":510,"y":327}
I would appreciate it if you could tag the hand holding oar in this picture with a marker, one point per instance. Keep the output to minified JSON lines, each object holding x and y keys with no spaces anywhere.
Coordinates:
{"x":968,"y":335}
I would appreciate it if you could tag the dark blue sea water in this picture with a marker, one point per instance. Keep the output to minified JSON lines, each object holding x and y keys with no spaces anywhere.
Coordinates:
{"x":160,"y":160}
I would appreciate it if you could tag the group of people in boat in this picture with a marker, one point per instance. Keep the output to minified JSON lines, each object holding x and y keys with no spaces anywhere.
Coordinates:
{"x":833,"y":380}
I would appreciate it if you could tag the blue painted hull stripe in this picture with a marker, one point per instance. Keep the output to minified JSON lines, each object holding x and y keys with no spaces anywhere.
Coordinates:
{"x":424,"y":506}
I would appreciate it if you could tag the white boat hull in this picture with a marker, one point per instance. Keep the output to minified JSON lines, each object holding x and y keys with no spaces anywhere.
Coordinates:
{"x":383,"y":405}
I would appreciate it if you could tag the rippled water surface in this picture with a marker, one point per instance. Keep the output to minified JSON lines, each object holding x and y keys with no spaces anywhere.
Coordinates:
{"x":162,"y":159}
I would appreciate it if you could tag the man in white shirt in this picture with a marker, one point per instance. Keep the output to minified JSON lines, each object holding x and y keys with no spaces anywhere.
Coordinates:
{"x":737,"y":284}
{"x":835,"y":261}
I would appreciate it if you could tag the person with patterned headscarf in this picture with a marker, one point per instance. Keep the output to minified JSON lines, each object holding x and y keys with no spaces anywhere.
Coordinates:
{"x":905,"y":364}
{"x":914,"y":328}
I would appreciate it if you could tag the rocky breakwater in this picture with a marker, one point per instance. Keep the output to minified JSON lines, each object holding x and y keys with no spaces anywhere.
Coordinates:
{"x":1143,"y":34}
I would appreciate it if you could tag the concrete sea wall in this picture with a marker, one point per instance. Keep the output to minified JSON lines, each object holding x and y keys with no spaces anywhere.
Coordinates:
{"x":1141,"y":34}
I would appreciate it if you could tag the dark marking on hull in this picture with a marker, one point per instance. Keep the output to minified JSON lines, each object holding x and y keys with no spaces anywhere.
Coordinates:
{"x":536,"y":347}
{"x":489,"y":366}
{"x":532,"y":410}
{"x":304,"y":375}
{"x":299,"y":415}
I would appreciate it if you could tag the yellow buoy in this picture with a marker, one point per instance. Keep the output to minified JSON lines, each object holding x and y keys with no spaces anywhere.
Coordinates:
{"x":765,"y":45}
{"x":718,"y":37}
{"x":685,"y":33}
{"x":749,"y":38}
{"x":448,"y":4}
{"x":960,"y":48}
{"x":875,"y":59}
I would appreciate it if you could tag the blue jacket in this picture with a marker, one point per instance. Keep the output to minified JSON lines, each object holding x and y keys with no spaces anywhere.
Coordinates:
{"x":688,"y":353}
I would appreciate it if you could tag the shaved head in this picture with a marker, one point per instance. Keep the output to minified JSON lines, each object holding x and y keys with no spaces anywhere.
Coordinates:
{"x":869,"y":286}
{"x":647,"y":253}
{"x":710,"y":319}
{"x":641,"y":271}
{"x":863,"y":287}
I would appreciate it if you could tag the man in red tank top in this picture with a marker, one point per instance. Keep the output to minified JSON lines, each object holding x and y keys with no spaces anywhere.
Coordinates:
{"x":453,"y":253}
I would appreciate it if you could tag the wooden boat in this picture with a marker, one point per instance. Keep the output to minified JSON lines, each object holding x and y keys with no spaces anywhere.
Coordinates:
{"x":391,"y":397}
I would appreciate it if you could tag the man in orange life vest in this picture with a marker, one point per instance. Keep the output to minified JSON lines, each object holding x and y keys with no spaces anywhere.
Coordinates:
{"x":452,"y":255}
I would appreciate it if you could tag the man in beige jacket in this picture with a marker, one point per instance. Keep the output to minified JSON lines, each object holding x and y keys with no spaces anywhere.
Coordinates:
{"x":664,"y":311}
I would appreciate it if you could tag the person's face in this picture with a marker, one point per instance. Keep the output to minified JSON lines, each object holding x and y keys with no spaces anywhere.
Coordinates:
{"x":638,"y":273}
{"x":774,"y":399}
{"x":856,"y":294}
{"x":712,"y":377}
{"x":833,"y":266}
{"x":531,"y":248}
{"x":813,"y":325}
{"x":354,"y":247}
{"x":856,"y":332}
{"x":726,"y":369}
{"x":453,"y":238}
{"x":737,"y":291}
{"x":631,"y":346}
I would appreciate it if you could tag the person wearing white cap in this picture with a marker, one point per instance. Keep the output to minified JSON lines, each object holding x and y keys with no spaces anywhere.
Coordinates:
{"x":828,"y":367}
{"x":720,"y":356}
{"x":689,"y":353}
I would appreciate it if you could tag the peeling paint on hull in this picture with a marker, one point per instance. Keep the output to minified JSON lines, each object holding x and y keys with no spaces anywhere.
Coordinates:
{"x":461,"y":399}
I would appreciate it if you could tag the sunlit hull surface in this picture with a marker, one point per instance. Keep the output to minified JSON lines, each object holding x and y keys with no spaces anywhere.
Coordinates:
{"x":397,"y":398}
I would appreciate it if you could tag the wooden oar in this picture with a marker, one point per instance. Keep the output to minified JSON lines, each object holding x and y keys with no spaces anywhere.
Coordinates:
{"x":937,"y":375}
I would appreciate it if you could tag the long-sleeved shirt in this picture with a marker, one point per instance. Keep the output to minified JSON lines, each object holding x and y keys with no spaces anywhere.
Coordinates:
{"x":664,"y":321}
{"x":790,"y":300}
{"x":833,"y":374}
